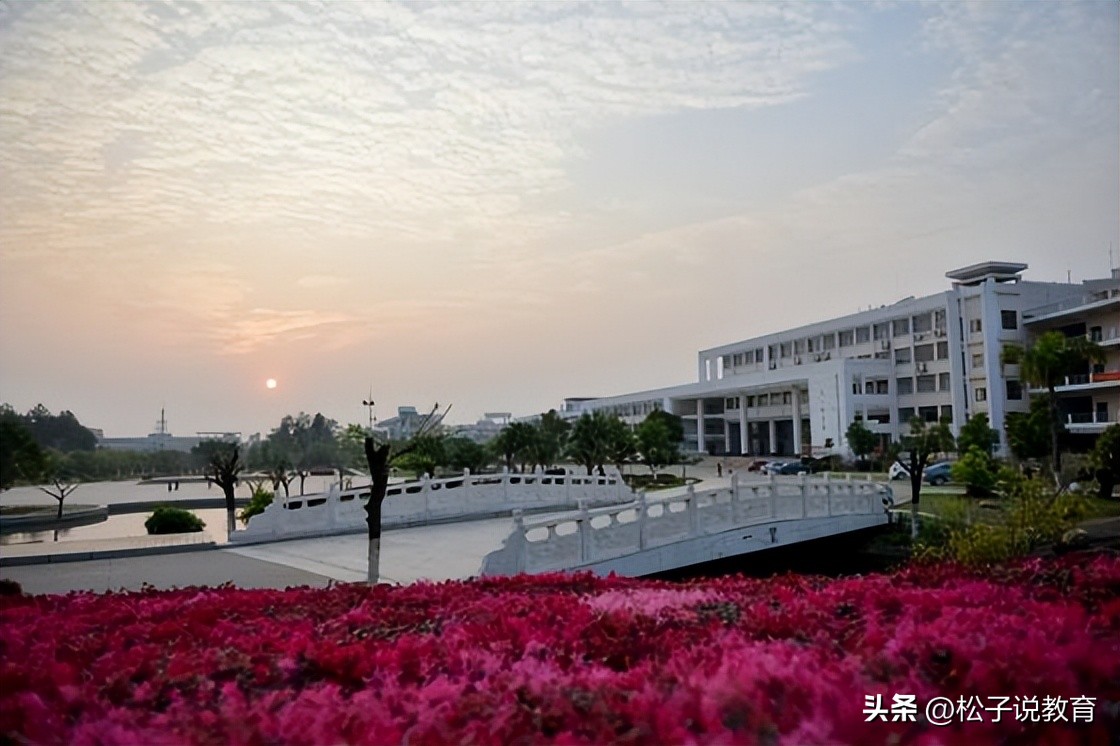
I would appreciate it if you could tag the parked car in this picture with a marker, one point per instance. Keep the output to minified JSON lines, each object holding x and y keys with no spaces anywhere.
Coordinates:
{"x":772,"y":467}
{"x":757,"y":465}
{"x":938,"y":473}
{"x":899,"y":470}
{"x":793,"y":467}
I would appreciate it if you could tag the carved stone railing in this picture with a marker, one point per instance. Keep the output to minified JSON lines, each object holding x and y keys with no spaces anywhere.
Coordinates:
{"x":465,"y":497}
{"x":595,"y":534}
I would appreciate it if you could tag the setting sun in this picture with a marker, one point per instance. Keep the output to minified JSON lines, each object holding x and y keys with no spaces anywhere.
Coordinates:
{"x":270,"y":383}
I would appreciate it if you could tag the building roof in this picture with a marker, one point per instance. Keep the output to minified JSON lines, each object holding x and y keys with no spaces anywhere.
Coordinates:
{"x":976,"y":273}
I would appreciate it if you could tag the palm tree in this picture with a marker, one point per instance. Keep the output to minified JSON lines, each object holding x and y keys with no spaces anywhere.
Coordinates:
{"x":589,"y":442}
{"x":1045,"y":364}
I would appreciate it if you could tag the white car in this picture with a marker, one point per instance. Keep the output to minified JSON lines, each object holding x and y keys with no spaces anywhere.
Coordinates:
{"x":899,"y":471}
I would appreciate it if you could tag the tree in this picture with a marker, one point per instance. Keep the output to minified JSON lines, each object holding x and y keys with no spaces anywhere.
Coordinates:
{"x":622,"y":445}
{"x":62,"y":480}
{"x":221,"y":463}
{"x":655,"y":444}
{"x":20,"y":456}
{"x":464,"y":453}
{"x":379,"y":457}
{"x":1045,"y":364}
{"x":1106,"y":461}
{"x":61,"y":432}
{"x":978,"y":434}
{"x":589,"y":442}
{"x":861,"y":440}
{"x":426,"y":454}
{"x":551,"y":438}
{"x":923,"y":441}
{"x":515,"y":443}
{"x":1028,"y":433}
{"x":976,"y":469}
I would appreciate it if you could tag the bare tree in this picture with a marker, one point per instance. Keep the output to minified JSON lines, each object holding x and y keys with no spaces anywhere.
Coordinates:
{"x":379,"y":458}
{"x":222,"y":465}
{"x":62,"y":487}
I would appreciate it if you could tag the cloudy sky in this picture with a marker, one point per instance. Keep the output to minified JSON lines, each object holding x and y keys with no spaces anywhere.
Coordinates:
{"x":500,"y":205}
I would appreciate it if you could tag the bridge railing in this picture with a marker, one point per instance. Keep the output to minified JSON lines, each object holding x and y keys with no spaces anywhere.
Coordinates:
{"x":462,"y":497}
{"x":595,"y":534}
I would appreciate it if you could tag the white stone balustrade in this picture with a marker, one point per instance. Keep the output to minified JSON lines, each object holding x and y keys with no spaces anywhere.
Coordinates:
{"x":593,"y":535}
{"x":465,"y":497}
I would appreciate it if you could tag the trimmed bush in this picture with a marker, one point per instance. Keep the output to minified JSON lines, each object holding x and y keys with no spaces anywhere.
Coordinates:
{"x":168,"y":520}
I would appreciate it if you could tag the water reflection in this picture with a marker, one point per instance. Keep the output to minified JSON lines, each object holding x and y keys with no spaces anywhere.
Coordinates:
{"x":116,"y":527}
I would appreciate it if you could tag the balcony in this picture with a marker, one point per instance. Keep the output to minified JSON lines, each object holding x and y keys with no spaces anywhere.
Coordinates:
{"x":1099,"y":299}
{"x":1089,"y":422}
{"x":1086,"y":382}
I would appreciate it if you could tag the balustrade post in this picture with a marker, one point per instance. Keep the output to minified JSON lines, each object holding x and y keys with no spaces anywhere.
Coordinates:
{"x":584,"y":524}
{"x":505,"y":483}
{"x":522,"y":558}
{"x":773,"y":500}
{"x":691,"y":508}
{"x":643,"y":516}
{"x":736,"y":506}
{"x":804,"y":497}
{"x":828,"y":491}
{"x":735,"y":487}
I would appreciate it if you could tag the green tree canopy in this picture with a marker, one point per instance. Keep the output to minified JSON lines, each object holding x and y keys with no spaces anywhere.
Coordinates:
{"x":861,"y":440}
{"x":589,"y":442}
{"x":1045,"y":364}
{"x":61,"y":432}
{"x":924,"y":441}
{"x":978,"y":434}
{"x":21,"y":458}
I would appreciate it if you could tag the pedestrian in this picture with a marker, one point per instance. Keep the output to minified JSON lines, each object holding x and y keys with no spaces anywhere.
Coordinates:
{"x":719,"y":469}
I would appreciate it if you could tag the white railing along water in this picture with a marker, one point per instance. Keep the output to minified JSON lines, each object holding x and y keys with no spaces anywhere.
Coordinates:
{"x":463,"y":497}
{"x":595,"y":534}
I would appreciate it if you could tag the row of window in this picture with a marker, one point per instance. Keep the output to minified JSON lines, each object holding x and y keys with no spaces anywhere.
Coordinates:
{"x":926,"y":414}
{"x":1008,"y":320}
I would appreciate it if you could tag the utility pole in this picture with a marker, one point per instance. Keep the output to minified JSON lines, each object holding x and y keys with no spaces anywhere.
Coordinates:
{"x":370,"y":404}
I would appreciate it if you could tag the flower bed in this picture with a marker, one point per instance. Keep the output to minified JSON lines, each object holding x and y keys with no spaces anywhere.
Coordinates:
{"x":566,"y":659}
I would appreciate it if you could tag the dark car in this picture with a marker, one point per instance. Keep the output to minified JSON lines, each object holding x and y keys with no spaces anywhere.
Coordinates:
{"x":757,"y":465}
{"x":793,"y":467}
{"x":939,"y":473}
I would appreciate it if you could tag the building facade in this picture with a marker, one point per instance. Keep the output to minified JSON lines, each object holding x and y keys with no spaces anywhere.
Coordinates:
{"x":796,"y":392}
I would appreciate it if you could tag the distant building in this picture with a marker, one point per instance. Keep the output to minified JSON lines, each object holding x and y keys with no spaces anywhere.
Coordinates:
{"x":797,"y":391}
{"x":406,"y":424}
{"x":485,"y":429}
{"x":161,"y":439}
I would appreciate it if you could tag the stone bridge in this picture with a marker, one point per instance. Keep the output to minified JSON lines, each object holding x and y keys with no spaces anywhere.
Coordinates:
{"x":664,"y":532}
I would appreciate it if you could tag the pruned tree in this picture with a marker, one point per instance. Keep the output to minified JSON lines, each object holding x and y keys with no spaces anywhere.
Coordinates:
{"x":655,"y":445}
{"x":222,"y":464}
{"x":62,"y":481}
{"x":1045,"y":364}
{"x":380,"y":456}
{"x":622,"y":445}
{"x":923,"y":441}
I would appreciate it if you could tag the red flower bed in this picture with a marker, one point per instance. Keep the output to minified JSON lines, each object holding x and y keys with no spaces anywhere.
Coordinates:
{"x":564,"y":659}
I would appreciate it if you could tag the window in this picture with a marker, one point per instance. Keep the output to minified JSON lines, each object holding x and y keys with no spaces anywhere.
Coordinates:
{"x":1014,"y":391}
{"x":882,"y":387}
{"x":922,"y":324}
{"x":1009,"y":319}
{"x":846,"y":338}
{"x":732,"y":403}
{"x":786,"y":349}
{"x":905,"y":414}
{"x":758,"y":355}
{"x":884,"y":355}
{"x":857,"y":387}
{"x":947,"y":412}
{"x":750,"y":401}
{"x":975,"y":326}
{"x":939,"y":319}
{"x":980,"y":394}
{"x":863,"y":334}
{"x":978,"y":360}
{"x":799,"y":347}
{"x":773,"y":352}
{"x":787,"y":397}
{"x":881,"y":331}
{"x":829,"y":342}
{"x":926,"y":384}
{"x":1096,"y":334}
{"x":812,"y":345}
{"x":943,"y":382}
{"x":929,"y":414}
{"x":901,"y":326}
{"x":923,"y":353}
{"x":942,"y":350}
{"x":904,"y":385}
{"x":902,"y":355}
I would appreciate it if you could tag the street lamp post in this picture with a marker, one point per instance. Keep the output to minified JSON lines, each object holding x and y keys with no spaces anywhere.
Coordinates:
{"x":370,"y":403}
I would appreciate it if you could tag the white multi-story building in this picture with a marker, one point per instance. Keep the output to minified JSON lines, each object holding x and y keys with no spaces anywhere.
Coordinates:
{"x":797,"y":391}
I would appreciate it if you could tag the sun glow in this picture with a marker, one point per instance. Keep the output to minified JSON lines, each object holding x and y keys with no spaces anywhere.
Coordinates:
{"x":270,"y":383}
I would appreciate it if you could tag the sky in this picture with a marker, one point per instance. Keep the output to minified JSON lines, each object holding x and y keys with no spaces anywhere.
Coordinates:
{"x":497,"y":206}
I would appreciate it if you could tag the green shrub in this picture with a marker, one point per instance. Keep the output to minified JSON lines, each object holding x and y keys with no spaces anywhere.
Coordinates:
{"x":168,"y":520}
{"x":260,"y":500}
{"x":977,"y":470}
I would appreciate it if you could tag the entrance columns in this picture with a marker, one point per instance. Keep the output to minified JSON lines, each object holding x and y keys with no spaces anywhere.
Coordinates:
{"x":744,"y":448}
{"x":796,"y":420}
{"x":701,"y":445}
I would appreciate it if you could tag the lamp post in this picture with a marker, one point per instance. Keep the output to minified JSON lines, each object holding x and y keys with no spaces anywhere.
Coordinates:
{"x":370,"y":404}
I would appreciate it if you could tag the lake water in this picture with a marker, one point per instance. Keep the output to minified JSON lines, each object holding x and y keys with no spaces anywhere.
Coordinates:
{"x":109,"y":493}
{"x":116,"y":527}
